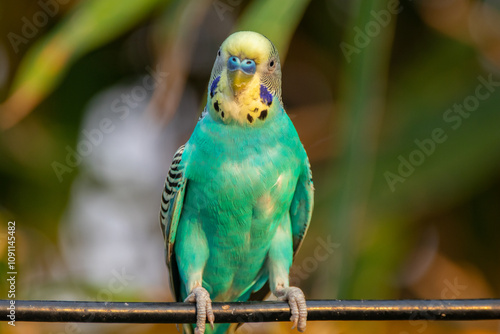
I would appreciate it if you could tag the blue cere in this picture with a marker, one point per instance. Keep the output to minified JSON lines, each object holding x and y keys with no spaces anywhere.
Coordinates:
{"x":248,"y":66}
{"x":233,"y":63}
{"x":214,"y":86}
{"x":265,"y":95}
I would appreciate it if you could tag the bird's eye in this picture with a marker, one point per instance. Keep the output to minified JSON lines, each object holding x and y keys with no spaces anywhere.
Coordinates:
{"x":218,"y":53}
{"x":272,"y":65}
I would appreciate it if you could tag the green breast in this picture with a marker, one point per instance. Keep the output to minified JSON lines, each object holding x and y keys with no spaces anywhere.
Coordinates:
{"x":240,"y":185}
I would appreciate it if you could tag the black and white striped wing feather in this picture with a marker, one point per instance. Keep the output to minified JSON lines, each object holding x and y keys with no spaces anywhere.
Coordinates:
{"x":170,"y":212}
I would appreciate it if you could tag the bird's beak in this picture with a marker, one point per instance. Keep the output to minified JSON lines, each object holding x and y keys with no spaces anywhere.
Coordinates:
{"x":240,"y":73}
{"x":239,"y":80}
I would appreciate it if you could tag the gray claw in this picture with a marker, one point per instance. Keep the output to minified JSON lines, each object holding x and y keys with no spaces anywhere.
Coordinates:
{"x":204,"y":310}
{"x":298,"y":308}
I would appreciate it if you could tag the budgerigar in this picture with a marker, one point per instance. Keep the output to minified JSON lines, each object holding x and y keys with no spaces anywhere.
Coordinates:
{"x":238,"y":197}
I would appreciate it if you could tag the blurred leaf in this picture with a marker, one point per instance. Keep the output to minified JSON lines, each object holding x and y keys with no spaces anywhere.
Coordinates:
{"x":89,"y":25}
{"x":363,"y":84}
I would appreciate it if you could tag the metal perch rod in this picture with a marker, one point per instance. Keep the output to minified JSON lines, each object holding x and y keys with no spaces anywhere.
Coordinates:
{"x":123,"y":312}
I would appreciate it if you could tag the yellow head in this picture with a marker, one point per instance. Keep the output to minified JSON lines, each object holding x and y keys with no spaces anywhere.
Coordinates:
{"x":245,"y":86}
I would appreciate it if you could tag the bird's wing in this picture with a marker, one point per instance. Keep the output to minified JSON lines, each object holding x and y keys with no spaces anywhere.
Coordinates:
{"x":302,"y":206}
{"x":171,"y":207}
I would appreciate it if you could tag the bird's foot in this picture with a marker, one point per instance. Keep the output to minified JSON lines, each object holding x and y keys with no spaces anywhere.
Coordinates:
{"x":203,"y":308}
{"x":297,"y":302}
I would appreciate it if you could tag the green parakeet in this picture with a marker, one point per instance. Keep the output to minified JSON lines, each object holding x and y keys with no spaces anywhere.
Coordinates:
{"x":238,"y":197}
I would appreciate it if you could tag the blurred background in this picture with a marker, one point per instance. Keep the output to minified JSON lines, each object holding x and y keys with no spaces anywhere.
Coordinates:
{"x":397,"y":104}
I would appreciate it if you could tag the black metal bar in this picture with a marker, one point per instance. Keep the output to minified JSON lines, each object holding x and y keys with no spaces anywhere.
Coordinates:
{"x":122,"y":312}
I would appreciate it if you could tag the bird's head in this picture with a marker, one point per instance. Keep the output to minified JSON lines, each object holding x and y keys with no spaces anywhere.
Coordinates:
{"x":245,"y":85}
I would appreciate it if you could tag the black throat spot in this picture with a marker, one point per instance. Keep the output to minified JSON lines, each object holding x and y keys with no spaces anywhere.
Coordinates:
{"x":263,"y":114}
